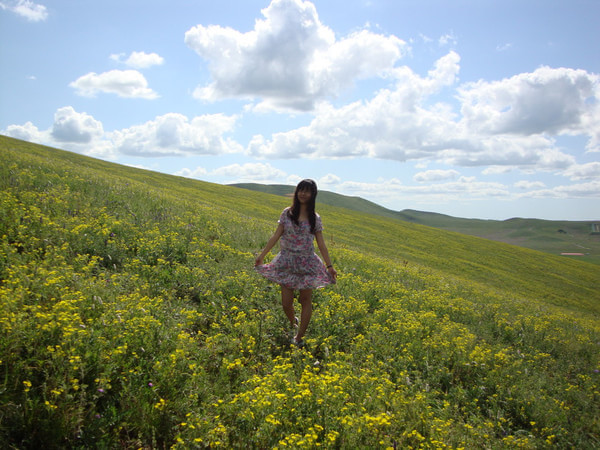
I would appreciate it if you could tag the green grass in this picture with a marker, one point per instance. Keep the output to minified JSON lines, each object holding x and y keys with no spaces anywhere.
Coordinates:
{"x":131,"y":317}
{"x":550,"y":236}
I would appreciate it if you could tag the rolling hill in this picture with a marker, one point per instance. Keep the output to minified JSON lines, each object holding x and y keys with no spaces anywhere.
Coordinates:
{"x":551,"y":236}
{"x":131,"y":316}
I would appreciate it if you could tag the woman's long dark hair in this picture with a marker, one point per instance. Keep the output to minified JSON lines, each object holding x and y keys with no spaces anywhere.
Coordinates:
{"x":305,"y":185}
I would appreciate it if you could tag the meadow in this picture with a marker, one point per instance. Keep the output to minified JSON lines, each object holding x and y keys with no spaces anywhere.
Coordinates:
{"x":131,"y":317}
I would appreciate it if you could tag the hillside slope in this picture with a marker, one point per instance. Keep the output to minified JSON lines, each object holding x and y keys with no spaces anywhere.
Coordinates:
{"x":326,"y":198}
{"x":131,"y":316}
{"x":550,"y":236}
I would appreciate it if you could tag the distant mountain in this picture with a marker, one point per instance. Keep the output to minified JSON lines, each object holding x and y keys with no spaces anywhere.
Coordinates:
{"x":327,"y":198}
{"x":550,"y":236}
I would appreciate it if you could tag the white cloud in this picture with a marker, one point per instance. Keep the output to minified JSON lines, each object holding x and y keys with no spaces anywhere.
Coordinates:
{"x":388,"y":191}
{"x":329,"y":180}
{"x":124,"y":83}
{"x":512,"y":123}
{"x":139,"y":60}
{"x":290,"y":60}
{"x":198,"y":172}
{"x":73,"y":131}
{"x":175,"y":134}
{"x":582,"y":190}
{"x":31,"y":11}
{"x":524,"y":152}
{"x":589,"y":171}
{"x":170,"y":134}
{"x":250,"y":172}
{"x":435,"y":175}
{"x":496,"y":170}
{"x":552,"y":101}
{"x":525,"y":185}
{"x":27,"y":132}
{"x":71,"y":126}
{"x":394,"y":124}
{"x":447,"y":39}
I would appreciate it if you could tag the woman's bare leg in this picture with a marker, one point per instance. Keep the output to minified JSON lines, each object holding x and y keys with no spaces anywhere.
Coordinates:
{"x":306,"y":302}
{"x":287,"y":301}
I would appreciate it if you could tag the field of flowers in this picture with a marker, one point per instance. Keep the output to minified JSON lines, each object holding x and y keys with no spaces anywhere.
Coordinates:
{"x":131,"y":316}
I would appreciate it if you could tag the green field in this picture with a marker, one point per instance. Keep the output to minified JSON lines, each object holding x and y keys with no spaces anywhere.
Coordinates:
{"x":131,"y":317}
{"x":550,"y":236}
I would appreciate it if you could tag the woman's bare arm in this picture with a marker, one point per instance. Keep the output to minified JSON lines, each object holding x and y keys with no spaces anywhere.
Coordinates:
{"x":270,"y":244}
{"x":325,"y":254}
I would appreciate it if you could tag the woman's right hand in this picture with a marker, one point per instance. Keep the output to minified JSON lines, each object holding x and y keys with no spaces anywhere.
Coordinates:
{"x":332,"y":273}
{"x":258,"y":261}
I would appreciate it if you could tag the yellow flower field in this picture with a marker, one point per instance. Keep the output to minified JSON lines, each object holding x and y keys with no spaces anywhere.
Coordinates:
{"x":131,"y":317}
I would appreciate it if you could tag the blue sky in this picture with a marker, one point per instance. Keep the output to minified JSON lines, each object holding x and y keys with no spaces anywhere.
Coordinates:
{"x":472,"y":108}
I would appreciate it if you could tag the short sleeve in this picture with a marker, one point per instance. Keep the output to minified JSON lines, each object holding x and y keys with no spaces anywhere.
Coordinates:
{"x":318,"y":223}
{"x":284,"y":216}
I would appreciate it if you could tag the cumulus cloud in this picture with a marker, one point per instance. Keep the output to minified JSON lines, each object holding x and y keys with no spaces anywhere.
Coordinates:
{"x":250,"y":172}
{"x":552,"y":101}
{"x":496,"y":170}
{"x":77,"y":132}
{"x":523,"y":152}
{"x":582,"y":190}
{"x":386,"y":191}
{"x":139,"y":60}
{"x":435,"y":175}
{"x":27,"y":132}
{"x":512,"y":123}
{"x":329,"y":180}
{"x":170,"y":134}
{"x":526,"y":185}
{"x":198,"y":172}
{"x":263,"y":173}
{"x":31,"y":11}
{"x":290,"y":60}
{"x":71,"y":126}
{"x":124,"y":83}
{"x":394,"y":124}
{"x":589,"y":171}
{"x":175,"y":134}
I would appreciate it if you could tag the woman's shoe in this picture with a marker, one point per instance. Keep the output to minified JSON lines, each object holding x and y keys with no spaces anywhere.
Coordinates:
{"x":297,"y":342}
{"x":294,"y":329}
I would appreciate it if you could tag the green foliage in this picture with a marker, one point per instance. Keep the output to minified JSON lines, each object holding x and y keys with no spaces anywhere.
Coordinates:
{"x":131,"y":316}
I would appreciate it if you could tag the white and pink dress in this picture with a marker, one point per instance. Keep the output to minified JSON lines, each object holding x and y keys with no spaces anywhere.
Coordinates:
{"x":297,"y":266}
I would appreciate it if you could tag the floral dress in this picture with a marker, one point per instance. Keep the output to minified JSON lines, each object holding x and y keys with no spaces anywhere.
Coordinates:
{"x":297,"y":266}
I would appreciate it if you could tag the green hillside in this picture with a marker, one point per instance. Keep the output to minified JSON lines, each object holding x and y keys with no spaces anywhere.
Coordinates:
{"x":325,"y":198}
{"x":131,"y":316}
{"x":550,"y":236}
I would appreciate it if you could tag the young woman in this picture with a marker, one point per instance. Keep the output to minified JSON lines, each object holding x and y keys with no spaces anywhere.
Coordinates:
{"x":297,"y":266}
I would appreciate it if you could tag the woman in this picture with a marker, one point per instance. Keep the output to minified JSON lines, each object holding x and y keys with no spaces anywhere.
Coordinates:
{"x":297,"y":266}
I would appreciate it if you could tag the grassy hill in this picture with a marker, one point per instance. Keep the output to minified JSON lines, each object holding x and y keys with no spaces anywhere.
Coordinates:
{"x":325,"y":198}
{"x":131,"y":316}
{"x":550,"y":236}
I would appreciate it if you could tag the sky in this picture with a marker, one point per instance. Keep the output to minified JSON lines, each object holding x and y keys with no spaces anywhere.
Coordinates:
{"x":472,"y":108}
